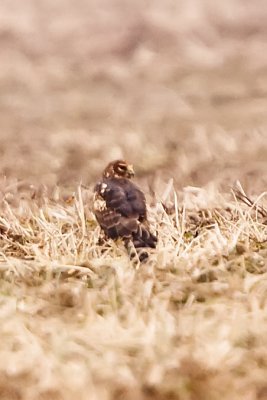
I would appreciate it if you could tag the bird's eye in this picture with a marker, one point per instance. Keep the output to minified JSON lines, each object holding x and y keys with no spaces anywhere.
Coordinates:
{"x":122,"y":168}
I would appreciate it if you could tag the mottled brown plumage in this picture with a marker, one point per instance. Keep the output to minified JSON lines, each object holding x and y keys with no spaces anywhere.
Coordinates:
{"x":120,"y":208}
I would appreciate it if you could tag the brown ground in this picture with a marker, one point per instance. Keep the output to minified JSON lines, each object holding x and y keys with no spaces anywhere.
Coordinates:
{"x":179,"y":88}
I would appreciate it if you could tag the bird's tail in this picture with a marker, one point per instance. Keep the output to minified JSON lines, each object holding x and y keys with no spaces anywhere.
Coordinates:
{"x":144,"y":238}
{"x":141,"y":239}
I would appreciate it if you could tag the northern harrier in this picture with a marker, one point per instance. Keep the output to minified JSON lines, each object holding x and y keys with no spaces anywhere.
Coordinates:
{"x":120,"y":209}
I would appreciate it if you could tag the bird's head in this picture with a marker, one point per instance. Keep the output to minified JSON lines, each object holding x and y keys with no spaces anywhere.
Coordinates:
{"x":118,"y":169}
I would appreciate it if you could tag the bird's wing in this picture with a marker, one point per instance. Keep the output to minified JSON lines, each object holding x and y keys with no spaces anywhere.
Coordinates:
{"x":114,"y":211}
{"x":120,"y":209}
{"x":137,"y":200}
{"x":122,"y":196}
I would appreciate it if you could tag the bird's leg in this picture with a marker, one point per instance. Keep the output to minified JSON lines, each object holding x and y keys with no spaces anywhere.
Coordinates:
{"x":137,"y":255}
{"x":102,"y":239}
{"x":103,"y":242}
{"x":132,"y":252}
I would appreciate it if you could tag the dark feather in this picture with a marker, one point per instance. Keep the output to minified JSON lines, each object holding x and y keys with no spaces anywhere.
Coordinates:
{"x":125,"y":197}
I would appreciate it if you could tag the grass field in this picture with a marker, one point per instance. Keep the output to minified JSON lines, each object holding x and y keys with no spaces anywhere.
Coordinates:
{"x":180,"y":90}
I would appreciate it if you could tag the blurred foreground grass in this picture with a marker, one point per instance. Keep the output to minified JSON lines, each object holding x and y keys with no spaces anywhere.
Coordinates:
{"x":78,"y":319}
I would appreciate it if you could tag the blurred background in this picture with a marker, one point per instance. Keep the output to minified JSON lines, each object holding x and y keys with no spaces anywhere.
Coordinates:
{"x":177,"y":87}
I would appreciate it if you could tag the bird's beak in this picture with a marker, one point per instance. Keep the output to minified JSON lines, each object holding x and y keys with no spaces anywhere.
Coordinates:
{"x":130,"y":171}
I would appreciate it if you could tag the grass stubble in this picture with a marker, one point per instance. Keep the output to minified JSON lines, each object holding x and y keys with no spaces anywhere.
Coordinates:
{"x":78,"y":319}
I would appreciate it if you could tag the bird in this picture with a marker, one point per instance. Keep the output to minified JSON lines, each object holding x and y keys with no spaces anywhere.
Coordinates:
{"x":120,"y":210}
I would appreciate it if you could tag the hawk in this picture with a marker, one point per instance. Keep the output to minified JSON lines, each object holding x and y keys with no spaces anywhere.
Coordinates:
{"x":120,"y":209}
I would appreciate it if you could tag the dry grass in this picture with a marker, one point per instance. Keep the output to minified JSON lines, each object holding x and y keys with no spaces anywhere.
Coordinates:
{"x":179,"y":88}
{"x":77,"y":317}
